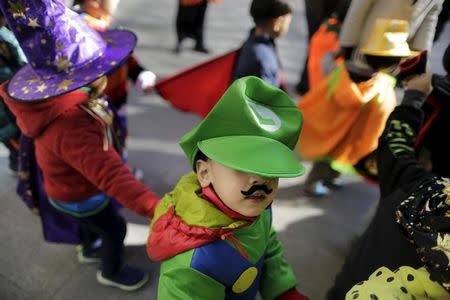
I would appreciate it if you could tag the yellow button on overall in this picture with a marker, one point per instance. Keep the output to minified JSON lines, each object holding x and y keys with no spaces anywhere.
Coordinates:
{"x":245,"y":280}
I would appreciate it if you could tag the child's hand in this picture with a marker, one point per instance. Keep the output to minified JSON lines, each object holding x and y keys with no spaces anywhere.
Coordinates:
{"x":145,"y":82}
{"x":421,"y":83}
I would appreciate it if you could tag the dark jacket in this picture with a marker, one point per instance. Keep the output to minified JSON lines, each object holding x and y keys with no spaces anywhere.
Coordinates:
{"x":400,"y":174}
{"x":258,"y":57}
{"x":11,"y":55}
{"x":11,"y":59}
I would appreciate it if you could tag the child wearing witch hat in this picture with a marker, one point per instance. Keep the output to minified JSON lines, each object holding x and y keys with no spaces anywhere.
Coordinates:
{"x":55,"y":101}
{"x":214,"y":231}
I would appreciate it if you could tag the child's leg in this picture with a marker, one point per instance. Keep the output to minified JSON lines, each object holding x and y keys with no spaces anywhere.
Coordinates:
{"x":320,"y":170}
{"x":320,"y":178}
{"x":111,"y":227}
{"x":199,"y":27}
{"x":90,"y":248}
{"x":313,"y":183}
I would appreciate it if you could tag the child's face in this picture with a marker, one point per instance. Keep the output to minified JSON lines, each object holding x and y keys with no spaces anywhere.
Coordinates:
{"x":234,"y":187}
{"x":281,"y":25}
{"x":95,"y":9}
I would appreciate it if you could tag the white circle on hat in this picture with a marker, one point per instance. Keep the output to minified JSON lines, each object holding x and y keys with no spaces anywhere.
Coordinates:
{"x":264,"y":117}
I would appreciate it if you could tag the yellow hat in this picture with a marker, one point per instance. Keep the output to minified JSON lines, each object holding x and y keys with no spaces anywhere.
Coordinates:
{"x":388,"y":38}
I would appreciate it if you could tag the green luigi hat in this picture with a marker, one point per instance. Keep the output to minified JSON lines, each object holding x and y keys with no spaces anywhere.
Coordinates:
{"x":253,"y":128}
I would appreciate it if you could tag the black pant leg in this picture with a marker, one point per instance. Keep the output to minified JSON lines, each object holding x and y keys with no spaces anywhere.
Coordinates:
{"x":111,"y":227}
{"x":200,"y":24}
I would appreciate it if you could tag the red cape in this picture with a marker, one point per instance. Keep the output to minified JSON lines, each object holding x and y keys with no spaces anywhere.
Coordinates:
{"x":197,"y":89}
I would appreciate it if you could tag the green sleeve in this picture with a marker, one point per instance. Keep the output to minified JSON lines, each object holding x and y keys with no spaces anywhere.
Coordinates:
{"x":278,"y":276}
{"x":180,"y":282}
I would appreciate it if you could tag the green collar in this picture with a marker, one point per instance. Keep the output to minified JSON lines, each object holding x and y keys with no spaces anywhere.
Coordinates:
{"x":193,"y":209}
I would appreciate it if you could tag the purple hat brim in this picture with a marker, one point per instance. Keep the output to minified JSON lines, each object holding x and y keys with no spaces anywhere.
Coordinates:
{"x":26,"y":85}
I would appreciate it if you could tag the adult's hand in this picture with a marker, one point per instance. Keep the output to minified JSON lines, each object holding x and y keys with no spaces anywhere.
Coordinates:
{"x":421,"y":83}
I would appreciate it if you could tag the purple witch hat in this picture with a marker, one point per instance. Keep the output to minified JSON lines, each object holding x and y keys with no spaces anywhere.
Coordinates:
{"x":63,"y":52}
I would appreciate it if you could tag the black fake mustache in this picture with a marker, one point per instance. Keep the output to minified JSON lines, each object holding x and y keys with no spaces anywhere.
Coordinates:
{"x":255,"y":188}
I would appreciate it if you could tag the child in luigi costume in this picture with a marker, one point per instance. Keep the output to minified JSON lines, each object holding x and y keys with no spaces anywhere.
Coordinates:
{"x":55,"y":99}
{"x":214,"y":231}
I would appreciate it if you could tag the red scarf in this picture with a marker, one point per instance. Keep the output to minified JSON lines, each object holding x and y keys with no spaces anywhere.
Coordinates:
{"x":210,"y":195}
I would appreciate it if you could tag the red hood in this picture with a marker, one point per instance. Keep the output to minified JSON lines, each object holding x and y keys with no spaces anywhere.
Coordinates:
{"x":33,"y":117}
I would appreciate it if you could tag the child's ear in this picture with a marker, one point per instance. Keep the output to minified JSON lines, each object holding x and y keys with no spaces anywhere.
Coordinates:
{"x":276,"y":24}
{"x":203,"y":172}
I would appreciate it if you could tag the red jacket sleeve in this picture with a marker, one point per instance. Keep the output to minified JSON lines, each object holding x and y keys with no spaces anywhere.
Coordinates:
{"x":79,"y":142}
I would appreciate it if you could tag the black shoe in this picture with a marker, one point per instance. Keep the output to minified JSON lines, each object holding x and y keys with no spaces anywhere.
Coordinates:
{"x":127,"y":279}
{"x":201,"y":49}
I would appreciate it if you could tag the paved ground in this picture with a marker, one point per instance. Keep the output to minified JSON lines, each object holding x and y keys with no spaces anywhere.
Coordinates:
{"x":315,"y":233}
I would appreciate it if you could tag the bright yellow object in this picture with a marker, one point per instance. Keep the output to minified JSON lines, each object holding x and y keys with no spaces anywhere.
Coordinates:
{"x":404,"y":283}
{"x":389,"y":37}
{"x":245,"y":280}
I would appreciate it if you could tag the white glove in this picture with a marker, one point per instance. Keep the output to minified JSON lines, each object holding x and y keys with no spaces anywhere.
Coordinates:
{"x":145,"y":82}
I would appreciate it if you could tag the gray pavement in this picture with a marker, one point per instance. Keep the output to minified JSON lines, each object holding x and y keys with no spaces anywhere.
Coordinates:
{"x":316,"y":233}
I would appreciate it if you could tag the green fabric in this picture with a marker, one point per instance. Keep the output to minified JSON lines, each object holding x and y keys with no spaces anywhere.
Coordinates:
{"x":284,"y":164}
{"x":403,"y":284}
{"x":193,"y":209}
{"x":179,"y":281}
{"x":334,"y":79}
{"x":253,"y":108}
{"x":276,"y":268}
